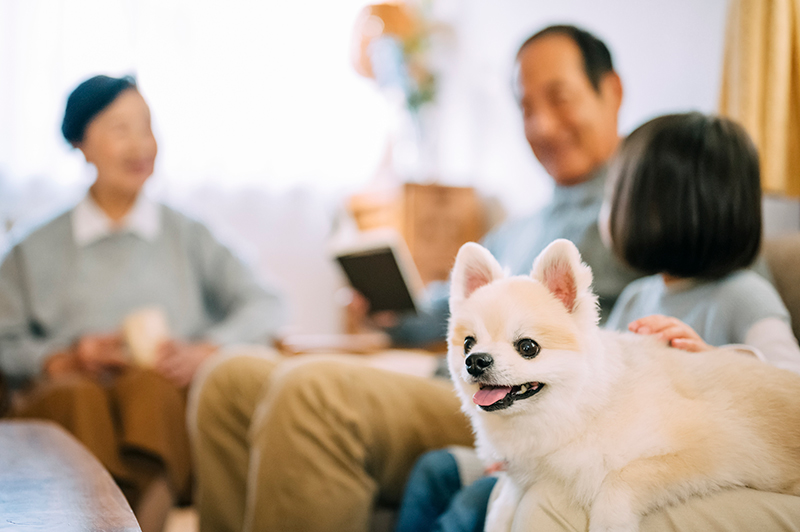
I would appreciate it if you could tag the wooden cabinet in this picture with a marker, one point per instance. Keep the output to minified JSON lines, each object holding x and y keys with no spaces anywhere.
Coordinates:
{"x":434,"y":220}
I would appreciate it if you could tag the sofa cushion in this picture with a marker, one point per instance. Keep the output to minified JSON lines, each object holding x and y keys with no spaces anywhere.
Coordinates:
{"x":783,"y":256}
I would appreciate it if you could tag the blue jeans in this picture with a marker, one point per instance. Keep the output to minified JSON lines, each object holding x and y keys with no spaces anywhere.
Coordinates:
{"x":435,"y":500}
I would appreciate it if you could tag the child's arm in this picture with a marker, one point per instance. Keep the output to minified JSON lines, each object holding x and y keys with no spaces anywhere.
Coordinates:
{"x":770,"y":339}
{"x":774,"y":338}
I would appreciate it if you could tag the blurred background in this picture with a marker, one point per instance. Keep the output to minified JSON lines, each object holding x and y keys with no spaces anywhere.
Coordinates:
{"x":268,"y":122}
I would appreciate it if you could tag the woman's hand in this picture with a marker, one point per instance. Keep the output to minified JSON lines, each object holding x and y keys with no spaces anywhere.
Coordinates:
{"x":178,"y":361}
{"x":93,"y":354}
{"x":672,"y":330}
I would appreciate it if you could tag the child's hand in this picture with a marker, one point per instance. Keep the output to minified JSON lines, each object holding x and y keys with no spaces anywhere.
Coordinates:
{"x":671,"y":330}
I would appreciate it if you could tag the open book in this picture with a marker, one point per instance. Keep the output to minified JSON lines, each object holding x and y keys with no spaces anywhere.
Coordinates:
{"x":378,"y":264}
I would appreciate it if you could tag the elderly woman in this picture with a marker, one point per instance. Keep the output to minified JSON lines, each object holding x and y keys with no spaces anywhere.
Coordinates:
{"x":67,"y":287}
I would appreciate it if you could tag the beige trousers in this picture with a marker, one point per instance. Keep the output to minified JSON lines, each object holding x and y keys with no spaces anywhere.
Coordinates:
{"x":735,"y":510}
{"x":311,"y":444}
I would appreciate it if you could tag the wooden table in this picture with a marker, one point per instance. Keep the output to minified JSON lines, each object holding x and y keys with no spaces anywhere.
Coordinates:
{"x":49,"y":481}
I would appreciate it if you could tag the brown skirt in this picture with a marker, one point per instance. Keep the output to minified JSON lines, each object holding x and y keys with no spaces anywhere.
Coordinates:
{"x":134,"y":424}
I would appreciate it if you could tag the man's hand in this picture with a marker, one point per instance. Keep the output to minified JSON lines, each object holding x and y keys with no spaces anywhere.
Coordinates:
{"x":672,"y":330}
{"x":359,"y":318}
{"x":178,"y":361}
{"x":93,"y":354}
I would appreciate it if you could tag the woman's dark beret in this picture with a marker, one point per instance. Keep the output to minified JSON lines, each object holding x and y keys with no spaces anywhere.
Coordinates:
{"x":87,"y":100}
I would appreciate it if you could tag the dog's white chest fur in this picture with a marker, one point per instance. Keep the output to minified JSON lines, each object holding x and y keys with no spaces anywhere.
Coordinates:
{"x":618,"y":422}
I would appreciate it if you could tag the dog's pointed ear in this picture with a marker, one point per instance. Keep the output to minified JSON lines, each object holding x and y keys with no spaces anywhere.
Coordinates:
{"x":475,"y":267}
{"x":560,"y":269}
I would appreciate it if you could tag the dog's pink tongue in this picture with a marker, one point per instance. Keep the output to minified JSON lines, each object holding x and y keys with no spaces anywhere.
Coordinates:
{"x":490,"y":395}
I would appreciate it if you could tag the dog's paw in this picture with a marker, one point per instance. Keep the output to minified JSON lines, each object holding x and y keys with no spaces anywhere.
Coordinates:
{"x":612,"y":528}
{"x":499,"y":520}
{"x":612,"y":512}
{"x":616,"y":522}
{"x":502,"y":506}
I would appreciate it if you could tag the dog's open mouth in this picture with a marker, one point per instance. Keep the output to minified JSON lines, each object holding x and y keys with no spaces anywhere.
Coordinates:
{"x":492,"y":398}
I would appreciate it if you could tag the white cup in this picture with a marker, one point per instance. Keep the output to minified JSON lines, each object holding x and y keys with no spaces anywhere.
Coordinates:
{"x":144,"y":330}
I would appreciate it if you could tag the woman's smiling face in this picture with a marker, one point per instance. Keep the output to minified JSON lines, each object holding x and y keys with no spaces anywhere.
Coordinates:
{"x":119,"y":142}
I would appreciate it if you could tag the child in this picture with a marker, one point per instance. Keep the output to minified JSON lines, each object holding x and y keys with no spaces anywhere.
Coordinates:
{"x":684,"y":206}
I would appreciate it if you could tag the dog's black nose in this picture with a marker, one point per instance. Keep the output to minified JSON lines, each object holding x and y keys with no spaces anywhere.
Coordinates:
{"x":477,"y":363}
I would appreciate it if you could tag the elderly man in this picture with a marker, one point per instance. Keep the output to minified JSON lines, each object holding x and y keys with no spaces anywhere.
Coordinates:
{"x":313,"y":445}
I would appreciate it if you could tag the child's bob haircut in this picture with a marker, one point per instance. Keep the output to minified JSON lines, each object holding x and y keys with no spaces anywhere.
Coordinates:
{"x":686,"y":197}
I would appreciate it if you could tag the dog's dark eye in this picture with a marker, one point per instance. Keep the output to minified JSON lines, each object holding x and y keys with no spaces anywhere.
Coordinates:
{"x":469,"y":343}
{"x":527,"y":347}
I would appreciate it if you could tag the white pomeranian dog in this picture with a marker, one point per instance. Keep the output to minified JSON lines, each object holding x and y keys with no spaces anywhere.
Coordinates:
{"x":619,"y":422}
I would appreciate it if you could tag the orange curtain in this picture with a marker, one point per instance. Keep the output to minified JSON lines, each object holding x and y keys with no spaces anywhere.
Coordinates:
{"x":761,"y":85}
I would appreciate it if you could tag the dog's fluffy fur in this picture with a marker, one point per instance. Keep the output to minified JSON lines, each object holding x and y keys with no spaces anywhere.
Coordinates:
{"x":618,"y":421}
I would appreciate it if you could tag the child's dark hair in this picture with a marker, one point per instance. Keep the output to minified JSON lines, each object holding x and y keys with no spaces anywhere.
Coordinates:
{"x":686,"y":197}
